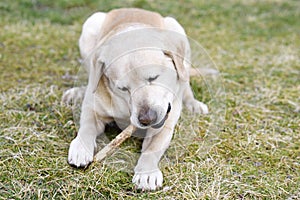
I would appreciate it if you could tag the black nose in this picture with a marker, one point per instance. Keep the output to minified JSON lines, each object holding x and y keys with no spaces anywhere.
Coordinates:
{"x":147,"y":116}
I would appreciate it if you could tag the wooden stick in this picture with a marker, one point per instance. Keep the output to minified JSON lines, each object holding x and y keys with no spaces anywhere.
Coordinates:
{"x":110,"y":147}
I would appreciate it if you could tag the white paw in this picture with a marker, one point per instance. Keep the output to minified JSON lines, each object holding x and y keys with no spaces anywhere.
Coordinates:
{"x":74,"y":95}
{"x":197,"y":107}
{"x":80,"y":155}
{"x":148,"y":180}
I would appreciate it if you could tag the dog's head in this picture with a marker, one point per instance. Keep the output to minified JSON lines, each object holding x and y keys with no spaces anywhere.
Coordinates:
{"x":144,"y":81}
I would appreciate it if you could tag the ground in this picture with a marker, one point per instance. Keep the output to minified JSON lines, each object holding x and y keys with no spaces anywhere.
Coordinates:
{"x":247,"y":148}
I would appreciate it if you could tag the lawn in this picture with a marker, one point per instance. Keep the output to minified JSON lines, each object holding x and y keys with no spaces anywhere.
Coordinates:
{"x":247,"y":148}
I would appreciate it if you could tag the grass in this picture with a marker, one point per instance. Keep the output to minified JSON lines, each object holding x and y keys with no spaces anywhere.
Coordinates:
{"x":247,"y":148}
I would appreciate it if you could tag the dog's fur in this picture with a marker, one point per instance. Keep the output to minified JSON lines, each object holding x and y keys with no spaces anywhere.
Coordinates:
{"x":138,"y":65}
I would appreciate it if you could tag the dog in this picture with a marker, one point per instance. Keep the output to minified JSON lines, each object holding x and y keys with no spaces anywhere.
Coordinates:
{"x":138,"y":65}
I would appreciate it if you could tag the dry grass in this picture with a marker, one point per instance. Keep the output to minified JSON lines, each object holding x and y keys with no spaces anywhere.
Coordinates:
{"x":247,"y":148}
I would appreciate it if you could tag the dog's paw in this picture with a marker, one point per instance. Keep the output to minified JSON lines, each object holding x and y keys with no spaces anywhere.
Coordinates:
{"x":80,"y":155}
{"x":197,"y":107}
{"x":74,"y":95}
{"x":148,"y":180}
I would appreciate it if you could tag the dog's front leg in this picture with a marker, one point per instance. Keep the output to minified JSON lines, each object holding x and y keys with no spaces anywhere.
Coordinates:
{"x":147,"y":173}
{"x":82,"y":148}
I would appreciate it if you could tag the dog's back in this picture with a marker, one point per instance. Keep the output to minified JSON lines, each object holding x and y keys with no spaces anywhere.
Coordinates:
{"x":119,"y":17}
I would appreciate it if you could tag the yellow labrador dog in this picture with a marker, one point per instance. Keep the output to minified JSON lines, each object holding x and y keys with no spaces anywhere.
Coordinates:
{"x":138,"y":65}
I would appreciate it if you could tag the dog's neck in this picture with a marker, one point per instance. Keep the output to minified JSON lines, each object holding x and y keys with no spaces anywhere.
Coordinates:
{"x":123,"y":20}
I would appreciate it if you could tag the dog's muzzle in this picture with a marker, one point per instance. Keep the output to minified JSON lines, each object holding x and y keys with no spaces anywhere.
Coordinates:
{"x":147,"y":117}
{"x":162,"y":122}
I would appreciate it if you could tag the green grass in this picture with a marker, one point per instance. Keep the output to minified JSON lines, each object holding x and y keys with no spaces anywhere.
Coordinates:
{"x":248,"y":148}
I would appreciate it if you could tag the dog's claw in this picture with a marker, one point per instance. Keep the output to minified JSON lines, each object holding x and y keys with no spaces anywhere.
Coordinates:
{"x":80,"y":155}
{"x":148,"y":180}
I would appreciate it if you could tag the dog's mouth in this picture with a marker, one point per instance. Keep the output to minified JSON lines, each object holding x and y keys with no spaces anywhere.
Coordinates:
{"x":162,"y":122}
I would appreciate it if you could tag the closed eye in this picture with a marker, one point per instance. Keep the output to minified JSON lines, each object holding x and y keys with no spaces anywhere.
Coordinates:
{"x":124,"y":89}
{"x":153,"y":78}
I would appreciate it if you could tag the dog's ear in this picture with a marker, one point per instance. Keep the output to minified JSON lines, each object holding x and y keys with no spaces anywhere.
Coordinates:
{"x":178,"y":47}
{"x":95,"y":73}
{"x":179,"y":63}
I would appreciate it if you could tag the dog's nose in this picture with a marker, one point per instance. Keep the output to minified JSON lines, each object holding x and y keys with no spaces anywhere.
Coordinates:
{"x":147,"y":116}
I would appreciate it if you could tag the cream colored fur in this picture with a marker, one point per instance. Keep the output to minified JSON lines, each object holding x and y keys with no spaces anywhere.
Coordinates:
{"x":122,"y":83}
